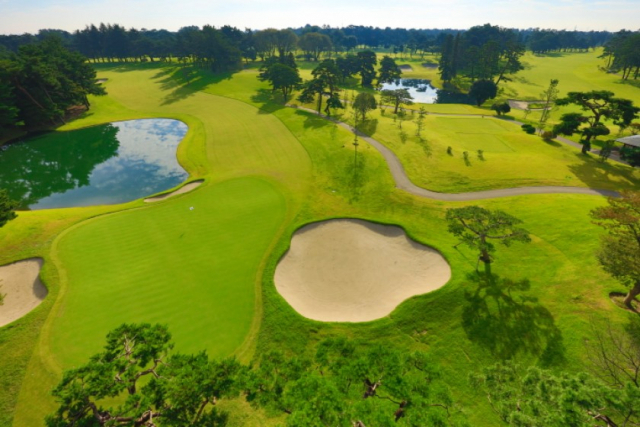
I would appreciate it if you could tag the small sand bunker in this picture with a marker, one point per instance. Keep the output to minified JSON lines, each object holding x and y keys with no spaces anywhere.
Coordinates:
{"x":405,"y":67}
{"x":429,"y":65}
{"x":184,"y":189}
{"x":354,"y":271}
{"x":523,"y":105}
{"x":22,"y":289}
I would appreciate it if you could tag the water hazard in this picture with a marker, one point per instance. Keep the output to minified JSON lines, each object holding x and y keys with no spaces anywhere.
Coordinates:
{"x":107,"y":164}
{"x":422,"y":92}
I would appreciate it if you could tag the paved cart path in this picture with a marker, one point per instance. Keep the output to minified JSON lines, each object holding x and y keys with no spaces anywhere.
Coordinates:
{"x":403,"y":182}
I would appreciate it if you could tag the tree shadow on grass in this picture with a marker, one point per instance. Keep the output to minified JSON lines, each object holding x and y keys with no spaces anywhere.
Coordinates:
{"x":552,"y":142}
{"x":355,"y":170}
{"x":268,"y":100}
{"x":183,"y":82}
{"x":595,"y":173}
{"x":502,"y":319}
{"x":312,"y":120}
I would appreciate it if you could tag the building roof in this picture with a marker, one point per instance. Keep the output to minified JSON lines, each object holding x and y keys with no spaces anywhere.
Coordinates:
{"x":633,"y":140}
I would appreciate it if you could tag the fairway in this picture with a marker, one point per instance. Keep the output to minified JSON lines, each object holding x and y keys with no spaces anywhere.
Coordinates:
{"x":510,"y":157}
{"x":194,"y":270}
{"x":482,"y":141}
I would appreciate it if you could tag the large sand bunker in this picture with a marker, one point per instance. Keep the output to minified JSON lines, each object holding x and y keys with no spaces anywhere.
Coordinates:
{"x":22,"y":289}
{"x":184,"y":189}
{"x":354,"y":271}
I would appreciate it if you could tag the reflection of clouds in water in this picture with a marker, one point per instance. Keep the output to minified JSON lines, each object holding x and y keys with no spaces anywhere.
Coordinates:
{"x":145,"y":164}
{"x":151,"y":141}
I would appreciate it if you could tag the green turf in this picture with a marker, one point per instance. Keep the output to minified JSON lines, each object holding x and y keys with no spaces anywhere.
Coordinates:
{"x":307,"y":165}
{"x":191,"y":269}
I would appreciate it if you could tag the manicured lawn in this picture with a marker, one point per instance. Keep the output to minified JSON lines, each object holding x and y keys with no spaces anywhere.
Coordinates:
{"x":511,"y":158}
{"x":193,"y":269}
{"x":269,"y":170}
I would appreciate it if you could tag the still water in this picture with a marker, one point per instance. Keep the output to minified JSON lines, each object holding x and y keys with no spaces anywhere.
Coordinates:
{"x":107,"y":164}
{"x":422,"y":92}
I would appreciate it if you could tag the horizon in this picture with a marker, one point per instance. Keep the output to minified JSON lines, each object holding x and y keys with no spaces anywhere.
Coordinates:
{"x":30,"y":16}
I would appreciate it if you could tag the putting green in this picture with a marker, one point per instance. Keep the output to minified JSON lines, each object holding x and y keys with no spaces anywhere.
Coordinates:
{"x":192,"y":269}
{"x":485,"y":142}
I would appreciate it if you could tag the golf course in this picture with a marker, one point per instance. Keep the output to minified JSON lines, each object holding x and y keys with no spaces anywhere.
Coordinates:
{"x":285,"y":233}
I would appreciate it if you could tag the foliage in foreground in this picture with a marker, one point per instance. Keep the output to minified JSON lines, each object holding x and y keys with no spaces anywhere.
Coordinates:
{"x":535,"y":397}
{"x":619,"y":252}
{"x":342,"y":385}
{"x":182,"y":390}
{"x":347,"y":385}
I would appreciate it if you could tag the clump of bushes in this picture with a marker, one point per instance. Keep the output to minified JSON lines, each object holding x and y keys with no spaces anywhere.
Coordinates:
{"x":547,"y":135}
{"x":450,"y":151}
{"x":528,"y":129}
{"x":481,"y":154}
{"x":501,"y":108}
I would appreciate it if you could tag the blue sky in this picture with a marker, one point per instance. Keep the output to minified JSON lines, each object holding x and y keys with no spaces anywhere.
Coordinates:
{"x":19,"y":16}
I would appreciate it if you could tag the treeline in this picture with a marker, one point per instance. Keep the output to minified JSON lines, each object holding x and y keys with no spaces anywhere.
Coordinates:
{"x":543,"y":41}
{"x":623,"y":54}
{"x":113,"y":42}
{"x":40,"y":82}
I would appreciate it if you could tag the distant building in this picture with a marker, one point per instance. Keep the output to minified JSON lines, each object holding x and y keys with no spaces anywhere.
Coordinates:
{"x":631,"y":141}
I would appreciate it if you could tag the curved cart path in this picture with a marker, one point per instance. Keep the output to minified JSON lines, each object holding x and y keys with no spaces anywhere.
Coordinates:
{"x":403,"y":182}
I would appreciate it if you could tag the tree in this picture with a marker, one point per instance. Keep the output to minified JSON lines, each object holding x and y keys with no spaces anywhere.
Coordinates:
{"x":446,"y":65}
{"x":283,"y":78}
{"x":631,"y":155}
{"x":619,"y":252}
{"x":476,"y":227}
{"x":367,"y":61}
{"x":344,"y":384}
{"x":364,"y":103}
{"x":44,"y":79}
{"x":285,"y":42}
{"x":348,"y":66}
{"x":7,"y":208}
{"x":389,"y":70}
{"x":396,"y":97}
{"x":481,"y":90}
{"x":614,"y":353}
{"x":324,"y":83}
{"x":535,"y":397}
{"x":135,"y":382}
{"x":422,"y":113}
{"x":549,"y":97}
{"x":501,"y":108}
{"x":313,"y":44}
{"x":601,"y":104}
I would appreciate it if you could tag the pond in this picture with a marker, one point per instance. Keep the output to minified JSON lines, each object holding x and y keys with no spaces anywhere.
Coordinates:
{"x":106,"y":164}
{"x":422,"y":92}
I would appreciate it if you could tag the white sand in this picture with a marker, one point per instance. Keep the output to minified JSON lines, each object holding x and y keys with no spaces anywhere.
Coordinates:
{"x":353,"y":271}
{"x":184,"y":189}
{"x":22,"y":289}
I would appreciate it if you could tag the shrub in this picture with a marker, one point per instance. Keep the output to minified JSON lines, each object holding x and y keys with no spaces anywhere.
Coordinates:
{"x":547,"y":135}
{"x":528,"y":129}
{"x":450,"y":151}
{"x":501,"y":108}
